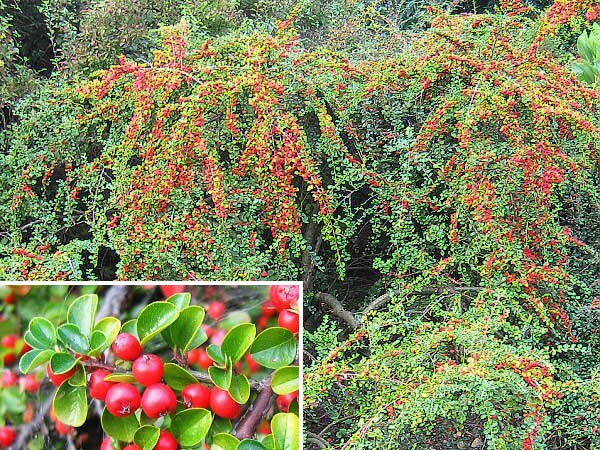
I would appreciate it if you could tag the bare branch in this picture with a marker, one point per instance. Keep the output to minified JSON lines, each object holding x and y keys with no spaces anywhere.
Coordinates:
{"x":337,"y":309}
{"x":247,"y":426}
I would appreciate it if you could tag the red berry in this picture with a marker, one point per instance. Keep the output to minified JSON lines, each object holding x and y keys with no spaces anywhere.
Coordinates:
{"x":215,"y":310}
{"x":7,"y":436}
{"x":62,"y":428}
{"x":192,"y":356}
{"x":127,"y":347}
{"x":24,"y":349}
{"x":59,"y":378}
{"x":290,"y":320}
{"x":9,"y":359}
{"x":268,"y":309}
{"x":262,"y":322}
{"x":264,"y":427}
{"x":132,"y":447}
{"x":106,"y":444}
{"x":283,"y":401}
{"x":29,"y":383}
{"x":9,"y":299}
{"x":208,"y":330}
{"x":158,"y":400}
{"x":148,"y":369}
{"x":122,"y":399}
{"x":9,"y":341}
{"x":8,"y":379}
{"x":284,"y":296}
{"x":223,"y":405}
{"x":218,"y":336}
{"x":196,"y":396}
{"x":98,"y":386}
{"x":172,"y":290}
{"x":204,"y":360}
{"x":253,"y":366}
{"x":166,"y":441}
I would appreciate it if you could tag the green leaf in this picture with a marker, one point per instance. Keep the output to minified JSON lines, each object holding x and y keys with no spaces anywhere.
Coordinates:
{"x":220,"y":377}
{"x":130,"y":327}
{"x":275,"y":347}
{"x":215,"y":353}
{"x":240,"y":389}
{"x":120,"y":428}
{"x":181,"y":300}
{"x":177,"y":377}
{"x":120,"y":378}
{"x":82,"y":313}
{"x":12,"y":399}
{"x":224,"y":441}
{"x":154,"y":318}
{"x":105,"y":332}
{"x":70,"y":404}
{"x":235,"y":318}
{"x":238,"y":340}
{"x":250,"y":444}
{"x":33,"y":359}
{"x":71,"y":336}
{"x":62,"y":362}
{"x":146,"y":437}
{"x":268,"y":442}
{"x":187,"y":326}
{"x":42,"y":334}
{"x":190,"y":426}
{"x":285,"y":380}
{"x":286,"y":431}
{"x":79,"y":377}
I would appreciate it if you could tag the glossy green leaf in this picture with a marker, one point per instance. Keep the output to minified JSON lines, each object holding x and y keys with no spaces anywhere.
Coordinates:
{"x":239,"y":389}
{"x":62,"y":362}
{"x":71,"y":336}
{"x":130,"y":327}
{"x":224,"y":441}
{"x":220,"y":377}
{"x":286,"y":431}
{"x":82,"y":313}
{"x":180,"y":300}
{"x":285,"y":380}
{"x":268,"y":442}
{"x":238,"y":340}
{"x":70,"y":404}
{"x":187,"y":326}
{"x":120,"y":378}
{"x":105,"y":332}
{"x":120,"y":428}
{"x":79,"y":377}
{"x":33,"y":359}
{"x":190,"y":426}
{"x":42,"y":333}
{"x":215,"y":353}
{"x":234,"y":318}
{"x":177,"y":377}
{"x":275,"y":347}
{"x":250,"y":444}
{"x":154,"y":318}
{"x":146,"y":437}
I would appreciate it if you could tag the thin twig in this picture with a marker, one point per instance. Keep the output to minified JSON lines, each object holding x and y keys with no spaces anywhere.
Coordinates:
{"x":337,"y":309}
{"x":247,"y":426}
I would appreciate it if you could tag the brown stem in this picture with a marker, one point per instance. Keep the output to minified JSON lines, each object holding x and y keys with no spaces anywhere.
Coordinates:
{"x":337,"y":309}
{"x":246,"y":427}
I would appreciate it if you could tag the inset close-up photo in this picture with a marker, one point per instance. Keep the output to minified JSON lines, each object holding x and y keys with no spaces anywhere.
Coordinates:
{"x":149,"y":367}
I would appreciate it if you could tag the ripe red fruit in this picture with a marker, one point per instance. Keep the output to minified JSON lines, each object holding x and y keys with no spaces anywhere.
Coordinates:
{"x":172,"y":290}
{"x":284,"y":296}
{"x":223,"y":405}
{"x":166,"y":441}
{"x":8,"y":379}
{"x":7,"y":436}
{"x":192,"y":356}
{"x":158,"y":400}
{"x":215,"y":310}
{"x":148,"y":369}
{"x":132,"y":447}
{"x":122,"y":399}
{"x":9,"y":359}
{"x":98,"y":386}
{"x":264,"y":427}
{"x":9,"y":299}
{"x":127,"y":347}
{"x":283,"y":401}
{"x":268,"y":309}
{"x":290,"y":320}
{"x":262,"y":322}
{"x":59,"y":378}
{"x":208,"y":330}
{"x":62,"y":428}
{"x":9,"y":341}
{"x":196,"y":396}
{"x":106,"y":444}
{"x":29,"y":383}
{"x":24,"y":349}
{"x":204,"y":360}
{"x":253,"y":366}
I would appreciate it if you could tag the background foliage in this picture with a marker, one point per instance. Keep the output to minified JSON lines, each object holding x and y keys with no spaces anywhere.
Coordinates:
{"x":431,"y":165}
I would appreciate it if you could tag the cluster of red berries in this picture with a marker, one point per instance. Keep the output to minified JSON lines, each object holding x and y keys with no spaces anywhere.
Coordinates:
{"x":27,"y":383}
{"x":9,"y":342}
{"x":283,"y":299}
